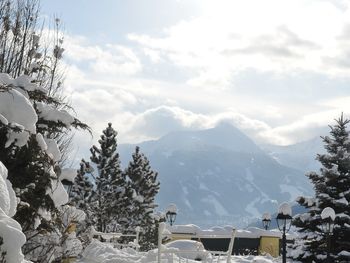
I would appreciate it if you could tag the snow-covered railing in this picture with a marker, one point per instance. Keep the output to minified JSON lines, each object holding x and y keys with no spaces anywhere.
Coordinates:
{"x":162,"y":234}
{"x":116,"y":235}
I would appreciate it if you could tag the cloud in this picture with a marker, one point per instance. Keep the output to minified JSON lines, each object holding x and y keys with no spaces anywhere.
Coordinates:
{"x":156,"y":122}
{"x":159,"y":121}
{"x":231,"y":36}
{"x":275,"y":73}
{"x":105,"y":59}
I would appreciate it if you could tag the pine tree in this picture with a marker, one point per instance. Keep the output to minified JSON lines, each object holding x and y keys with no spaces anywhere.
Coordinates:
{"x":332,"y":189}
{"x":82,"y":190}
{"x":144,"y":184}
{"x":108,"y":196}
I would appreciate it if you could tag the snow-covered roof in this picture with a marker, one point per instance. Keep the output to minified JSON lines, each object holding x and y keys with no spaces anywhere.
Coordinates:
{"x":225,"y":232}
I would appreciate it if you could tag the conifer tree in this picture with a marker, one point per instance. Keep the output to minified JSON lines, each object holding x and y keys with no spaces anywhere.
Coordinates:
{"x":144,"y":184}
{"x":332,"y":189}
{"x":33,"y":73}
{"x":110,"y":182}
{"x":82,"y":189}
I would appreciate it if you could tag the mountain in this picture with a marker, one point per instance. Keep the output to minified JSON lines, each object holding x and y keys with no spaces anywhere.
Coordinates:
{"x":301,"y":156}
{"x":218,"y":176}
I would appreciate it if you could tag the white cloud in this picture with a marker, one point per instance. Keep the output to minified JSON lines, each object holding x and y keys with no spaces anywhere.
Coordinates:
{"x":106,"y":59}
{"x":156,"y":122}
{"x":273,"y":35}
{"x":293,"y":55}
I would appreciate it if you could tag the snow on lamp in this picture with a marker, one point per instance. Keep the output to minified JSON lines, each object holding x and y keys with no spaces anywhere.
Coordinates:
{"x":171,"y":213}
{"x":266,"y":220}
{"x":284,"y":217}
{"x":284,"y":222}
{"x":328,"y":217}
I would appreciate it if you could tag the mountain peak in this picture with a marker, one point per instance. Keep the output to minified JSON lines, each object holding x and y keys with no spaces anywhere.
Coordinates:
{"x":225,"y":125}
{"x":224,"y":135}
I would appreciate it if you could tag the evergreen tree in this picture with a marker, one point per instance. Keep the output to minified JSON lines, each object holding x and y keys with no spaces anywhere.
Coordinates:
{"x":332,"y":189}
{"x":33,"y":73}
{"x":144,"y":184}
{"x":108,"y":196}
{"x":82,"y":189}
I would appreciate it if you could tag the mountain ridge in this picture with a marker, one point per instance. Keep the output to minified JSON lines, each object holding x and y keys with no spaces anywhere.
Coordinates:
{"x":218,"y":176}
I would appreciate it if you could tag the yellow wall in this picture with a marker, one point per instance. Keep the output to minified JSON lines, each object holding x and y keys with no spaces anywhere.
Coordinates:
{"x":269,"y":245}
{"x":175,"y":236}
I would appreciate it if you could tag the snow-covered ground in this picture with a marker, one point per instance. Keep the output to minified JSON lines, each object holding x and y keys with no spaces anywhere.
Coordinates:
{"x":104,"y":252}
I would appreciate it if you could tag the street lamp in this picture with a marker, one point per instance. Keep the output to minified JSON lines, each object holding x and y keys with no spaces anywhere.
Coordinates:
{"x":266,"y":220}
{"x":284,"y":222}
{"x":328,"y":217}
{"x":171,"y":213}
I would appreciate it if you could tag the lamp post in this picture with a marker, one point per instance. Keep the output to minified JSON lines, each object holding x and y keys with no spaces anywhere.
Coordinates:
{"x":284,"y":220}
{"x":266,"y":220}
{"x":171,"y":213}
{"x":328,"y":217}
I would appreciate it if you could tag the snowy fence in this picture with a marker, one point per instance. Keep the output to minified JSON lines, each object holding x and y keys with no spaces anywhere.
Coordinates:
{"x":162,"y":250}
{"x":113,"y":237}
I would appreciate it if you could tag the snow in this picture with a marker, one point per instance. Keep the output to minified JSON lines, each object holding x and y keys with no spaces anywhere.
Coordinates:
{"x":292,"y":190}
{"x":50,"y":113}
{"x":8,"y":199}
{"x":68,"y":174}
{"x":10,"y":230}
{"x":17,"y":110}
{"x":52,"y":149}
{"x":3,"y":120}
{"x":328,"y":212}
{"x":72,"y":214}
{"x":171,"y":208}
{"x":24,"y":82}
{"x":224,"y":232}
{"x":41,"y":142}
{"x":342,"y":201}
{"x":266,"y":216}
{"x":188,"y":249}
{"x":57,"y":192}
{"x":105,"y":252}
{"x":218,"y":207}
{"x":344,"y":253}
{"x":72,"y":246}
{"x":285,"y":209}
{"x":252,"y":207}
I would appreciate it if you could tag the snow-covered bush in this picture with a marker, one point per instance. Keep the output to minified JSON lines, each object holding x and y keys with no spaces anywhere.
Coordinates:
{"x":11,"y":234}
{"x":34,"y":123}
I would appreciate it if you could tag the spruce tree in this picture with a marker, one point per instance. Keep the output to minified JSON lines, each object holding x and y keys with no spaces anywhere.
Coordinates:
{"x":144,"y":184}
{"x":110,"y":182}
{"x":332,"y":189}
{"x":82,"y":189}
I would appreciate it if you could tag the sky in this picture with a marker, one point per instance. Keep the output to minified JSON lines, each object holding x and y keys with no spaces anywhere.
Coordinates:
{"x":277,"y":70}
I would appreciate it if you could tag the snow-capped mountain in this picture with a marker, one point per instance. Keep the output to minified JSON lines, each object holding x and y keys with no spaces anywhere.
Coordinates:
{"x":301,"y":156}
{"x":218,"y":176}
